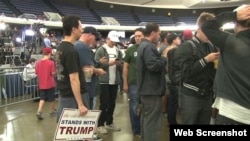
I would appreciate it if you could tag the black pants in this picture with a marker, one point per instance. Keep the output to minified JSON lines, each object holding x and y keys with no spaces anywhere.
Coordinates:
{"x":107,"y":103}
{"x":172,"y":104}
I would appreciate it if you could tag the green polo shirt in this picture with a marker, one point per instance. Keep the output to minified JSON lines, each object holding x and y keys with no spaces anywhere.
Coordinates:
{"x":131,"y":59}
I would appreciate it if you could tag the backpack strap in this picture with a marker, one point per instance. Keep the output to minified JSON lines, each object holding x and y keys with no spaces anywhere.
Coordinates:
{"x":194,"y":47}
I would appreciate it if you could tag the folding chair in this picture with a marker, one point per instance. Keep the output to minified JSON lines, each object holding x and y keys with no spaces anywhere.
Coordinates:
{"x":17,"y":54}
{"x":8,"y":57}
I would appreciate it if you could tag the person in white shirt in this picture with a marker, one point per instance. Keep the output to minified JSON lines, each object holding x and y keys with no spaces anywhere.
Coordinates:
{"x":109,"y":82}
{"x":29,"y":70}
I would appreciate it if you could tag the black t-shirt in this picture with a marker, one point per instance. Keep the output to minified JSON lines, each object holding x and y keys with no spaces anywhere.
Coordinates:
{"x":67,"y":62}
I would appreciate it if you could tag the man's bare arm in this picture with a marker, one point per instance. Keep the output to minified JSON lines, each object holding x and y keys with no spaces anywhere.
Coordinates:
{"x":125,"y":77}
{"x":75,"y":85}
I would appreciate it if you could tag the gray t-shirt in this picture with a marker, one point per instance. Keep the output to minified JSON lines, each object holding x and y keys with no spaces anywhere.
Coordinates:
{"x":162,"y":48}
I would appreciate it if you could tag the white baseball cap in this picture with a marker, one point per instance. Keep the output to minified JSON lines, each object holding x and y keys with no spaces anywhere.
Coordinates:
{"x":240,"y":7}
{"x":113,"y":36}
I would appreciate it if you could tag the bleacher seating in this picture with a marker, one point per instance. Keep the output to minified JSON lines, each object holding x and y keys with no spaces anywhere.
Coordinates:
{"x":86,"y":16}
{"x":109,"y":21}
{"x":122,"y":18}
{"x":31,"y":6}
{"x":159,"y":19}
{"x":92,"y":15}
{"x":188,"y":20}
{"x":4,"y":9}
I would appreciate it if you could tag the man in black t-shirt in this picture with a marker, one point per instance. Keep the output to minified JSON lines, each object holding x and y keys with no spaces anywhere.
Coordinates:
{"x":70,"y":78}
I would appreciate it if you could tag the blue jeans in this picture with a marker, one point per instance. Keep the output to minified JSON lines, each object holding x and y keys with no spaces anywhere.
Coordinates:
{"x":92,"y":103}
{"x":133,"y":103}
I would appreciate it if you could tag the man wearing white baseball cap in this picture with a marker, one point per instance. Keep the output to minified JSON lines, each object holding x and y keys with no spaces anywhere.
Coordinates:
{"x":109,"y":82}
{"x":232,"y":85}
{"x":113,"y":36}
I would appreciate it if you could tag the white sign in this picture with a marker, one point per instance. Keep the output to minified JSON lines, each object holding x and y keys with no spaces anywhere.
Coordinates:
{"x":72,"y":126}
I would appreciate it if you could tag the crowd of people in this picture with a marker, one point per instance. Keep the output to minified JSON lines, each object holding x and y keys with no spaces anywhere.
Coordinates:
{"x":148,"y":76}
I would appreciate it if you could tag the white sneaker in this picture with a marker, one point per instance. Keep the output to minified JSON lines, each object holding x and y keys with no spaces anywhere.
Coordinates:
{"x":102,"y":130}
{"x":96,"y":137}
{"x":113,"y":127}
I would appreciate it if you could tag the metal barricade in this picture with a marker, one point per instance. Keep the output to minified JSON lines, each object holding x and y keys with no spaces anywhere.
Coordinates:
{"x":14,"y":88}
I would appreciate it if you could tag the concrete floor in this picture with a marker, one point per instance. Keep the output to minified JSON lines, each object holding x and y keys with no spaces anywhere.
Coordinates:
{"x":18,"y":122}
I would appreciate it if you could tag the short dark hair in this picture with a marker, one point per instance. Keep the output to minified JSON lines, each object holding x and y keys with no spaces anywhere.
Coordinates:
{"x":164,"y":35}
{"x":142,"y":30}
{"x":32,"y":60}
{"x":132,"y":40}
{"x":171,"y":37}
{"x":204,"y":16}
{"x":150,"y":27}
{"x":69,"y":22}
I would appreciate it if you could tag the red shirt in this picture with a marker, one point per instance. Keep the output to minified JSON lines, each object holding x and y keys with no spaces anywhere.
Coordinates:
{"x":45,"y":70}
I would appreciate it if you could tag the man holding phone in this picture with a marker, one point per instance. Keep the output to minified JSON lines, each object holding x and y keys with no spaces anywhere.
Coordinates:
{"x":109,"y":82}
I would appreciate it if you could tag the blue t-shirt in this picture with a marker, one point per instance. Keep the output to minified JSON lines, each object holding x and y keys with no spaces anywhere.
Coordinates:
{"x":47,"y":42}
{"x":86,"y":56}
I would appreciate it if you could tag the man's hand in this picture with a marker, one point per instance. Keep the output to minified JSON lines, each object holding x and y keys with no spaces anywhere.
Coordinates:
{"x":99,"y":71}
{"x":103,"y":60}
{"x":125,"y":88}
{"x":83,"y":110}
{"x":117,"y":62}
{"x":212,"y":56}
{"x":165,"y":52}
{"x":114,"y":62}
{"x":89,"y":70}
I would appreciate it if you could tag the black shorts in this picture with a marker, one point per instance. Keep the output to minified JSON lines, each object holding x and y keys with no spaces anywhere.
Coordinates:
{"x":47,"y":94}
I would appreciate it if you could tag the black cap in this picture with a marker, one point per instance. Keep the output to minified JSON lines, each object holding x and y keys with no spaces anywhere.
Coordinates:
{"x":92,"y":30}
{"x":171,"y":37}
